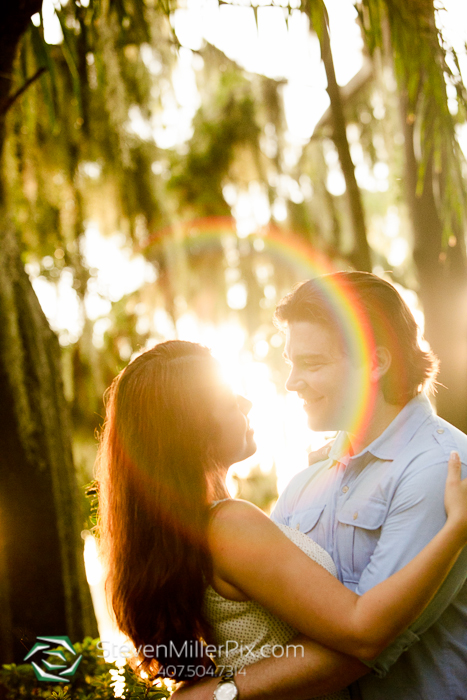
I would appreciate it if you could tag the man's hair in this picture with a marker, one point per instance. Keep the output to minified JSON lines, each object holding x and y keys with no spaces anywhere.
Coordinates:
{"x":382,"y":310}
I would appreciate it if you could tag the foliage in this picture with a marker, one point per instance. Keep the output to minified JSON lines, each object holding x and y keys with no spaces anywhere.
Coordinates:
{"x":92,"y":493}
{"x":424,"y":66}
{"x":92,"y":81}
{"x":199,"y":176}
{"x":73,"y":156}
{"x":94,"y":680}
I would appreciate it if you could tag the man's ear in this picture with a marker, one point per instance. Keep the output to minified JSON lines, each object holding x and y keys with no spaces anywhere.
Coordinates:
{"x":381,"y":362}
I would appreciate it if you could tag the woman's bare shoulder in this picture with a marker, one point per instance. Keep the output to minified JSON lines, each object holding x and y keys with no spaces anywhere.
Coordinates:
{"x":232,"y":510}
{"x":237,"y":519}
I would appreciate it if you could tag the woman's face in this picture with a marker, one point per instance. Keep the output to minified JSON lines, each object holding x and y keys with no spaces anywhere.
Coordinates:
{"x":235,"y":440}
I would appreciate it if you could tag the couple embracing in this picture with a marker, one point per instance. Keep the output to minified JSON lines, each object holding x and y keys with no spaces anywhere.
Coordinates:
{"x":359,"y":566}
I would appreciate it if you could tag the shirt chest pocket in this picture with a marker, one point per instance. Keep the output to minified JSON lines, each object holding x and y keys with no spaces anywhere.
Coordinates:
{"x":362,"y":521}
{"x":307,"y":520}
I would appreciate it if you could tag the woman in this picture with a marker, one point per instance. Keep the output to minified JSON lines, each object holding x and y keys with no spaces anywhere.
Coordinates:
{"x":184,"y":559}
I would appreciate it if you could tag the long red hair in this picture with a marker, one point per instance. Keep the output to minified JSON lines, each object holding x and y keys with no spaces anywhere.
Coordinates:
{"x":155,"y":459}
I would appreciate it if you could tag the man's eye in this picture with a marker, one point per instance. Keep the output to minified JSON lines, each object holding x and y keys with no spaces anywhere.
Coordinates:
{"x":313,"y":367}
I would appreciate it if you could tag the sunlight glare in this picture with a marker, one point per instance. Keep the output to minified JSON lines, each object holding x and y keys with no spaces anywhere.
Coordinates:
{"x":52,"y":30}
{"x":237,"y":296}
{"x":398,"y":252}
{"x":119,"y":270}
{"x":92,"y":564}
{"x":61,"y":305}
{"x":280,"y":423}
{"x":276,"y":50}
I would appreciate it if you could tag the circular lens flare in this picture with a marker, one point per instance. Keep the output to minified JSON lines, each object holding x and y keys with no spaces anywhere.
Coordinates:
{"x":284,"y":249}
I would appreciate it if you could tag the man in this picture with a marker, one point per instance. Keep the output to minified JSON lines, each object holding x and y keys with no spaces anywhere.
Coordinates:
{"x":378,"y":498}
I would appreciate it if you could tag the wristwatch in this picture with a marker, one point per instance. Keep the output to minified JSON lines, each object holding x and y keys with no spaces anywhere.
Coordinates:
{"x":227,"y":688}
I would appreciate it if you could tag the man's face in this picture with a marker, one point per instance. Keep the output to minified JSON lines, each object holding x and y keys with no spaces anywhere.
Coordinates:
{"x":322,"y":375}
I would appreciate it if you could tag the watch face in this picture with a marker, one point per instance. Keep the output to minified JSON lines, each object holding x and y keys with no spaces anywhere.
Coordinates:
{"x":226,"y":691}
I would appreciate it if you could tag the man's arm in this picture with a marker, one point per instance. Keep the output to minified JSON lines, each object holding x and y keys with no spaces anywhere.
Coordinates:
{"x":318,"y":671}
{"x":417,"y":513}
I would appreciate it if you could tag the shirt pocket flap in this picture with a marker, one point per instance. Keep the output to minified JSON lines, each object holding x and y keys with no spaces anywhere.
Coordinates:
{"x":368,"y":514}
{"x":306,"y":520}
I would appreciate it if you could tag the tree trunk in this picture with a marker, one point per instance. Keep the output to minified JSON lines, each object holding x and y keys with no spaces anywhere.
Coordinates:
{"x":441,"y":269}
{"x":43,"y":590}
{"x":443,"y":284}
{"x":361,"y":257}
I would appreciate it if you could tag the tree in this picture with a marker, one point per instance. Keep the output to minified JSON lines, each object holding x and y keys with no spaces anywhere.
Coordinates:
{"x":433,"y":183}
{"x":317,"y":14}
{"x":42,"y":582}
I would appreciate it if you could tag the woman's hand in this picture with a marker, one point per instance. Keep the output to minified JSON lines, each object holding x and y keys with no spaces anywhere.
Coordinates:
{"x":319,"y":455}
{"x":455,"y":495}
{"x":199,"y":690}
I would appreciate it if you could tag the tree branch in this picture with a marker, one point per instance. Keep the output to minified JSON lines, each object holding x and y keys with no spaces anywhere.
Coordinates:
{"x":12,"y":99}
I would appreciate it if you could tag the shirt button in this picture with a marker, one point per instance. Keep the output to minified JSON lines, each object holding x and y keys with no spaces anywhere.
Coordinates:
{"x":297,"y":526}
{"x":345,"y":489}
{"x":440,"y":431}
{"x":355,"y":516}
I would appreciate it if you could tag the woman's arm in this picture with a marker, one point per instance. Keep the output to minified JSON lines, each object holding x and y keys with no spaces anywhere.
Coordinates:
{"x":318,"y":671}
{"x":251,"y":554}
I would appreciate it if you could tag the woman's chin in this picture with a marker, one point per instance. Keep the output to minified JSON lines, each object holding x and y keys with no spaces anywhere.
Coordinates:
{"x":249,"y":451}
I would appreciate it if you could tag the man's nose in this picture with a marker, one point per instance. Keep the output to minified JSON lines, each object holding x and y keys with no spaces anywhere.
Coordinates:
{"x":294,"y":382}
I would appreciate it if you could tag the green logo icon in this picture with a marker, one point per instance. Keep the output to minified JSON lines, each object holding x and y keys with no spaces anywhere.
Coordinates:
{"x":54,"y":671}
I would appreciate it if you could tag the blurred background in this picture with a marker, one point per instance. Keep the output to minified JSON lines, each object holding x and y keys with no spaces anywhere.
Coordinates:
{"x":170,"y":170}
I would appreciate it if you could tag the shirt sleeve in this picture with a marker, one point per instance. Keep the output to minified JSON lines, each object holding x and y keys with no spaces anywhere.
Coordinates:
{"x":415,"y":516}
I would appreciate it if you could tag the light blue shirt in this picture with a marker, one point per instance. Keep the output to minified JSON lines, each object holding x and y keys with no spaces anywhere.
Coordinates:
{"x":373,"y":512}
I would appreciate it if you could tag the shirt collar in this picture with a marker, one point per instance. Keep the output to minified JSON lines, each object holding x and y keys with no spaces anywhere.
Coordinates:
{"x":340,"y":447}
{"x":396,"y":436}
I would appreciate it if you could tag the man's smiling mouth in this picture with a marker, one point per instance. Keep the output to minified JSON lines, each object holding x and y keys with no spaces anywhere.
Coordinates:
{"x":311,"y":403}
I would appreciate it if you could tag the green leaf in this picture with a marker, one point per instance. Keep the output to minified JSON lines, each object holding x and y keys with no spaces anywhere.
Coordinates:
{"x":41,"y":52}
{"x":68,"y":53}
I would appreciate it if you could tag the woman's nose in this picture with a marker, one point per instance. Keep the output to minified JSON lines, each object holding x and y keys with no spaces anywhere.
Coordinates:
{"x":244,"y":404}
